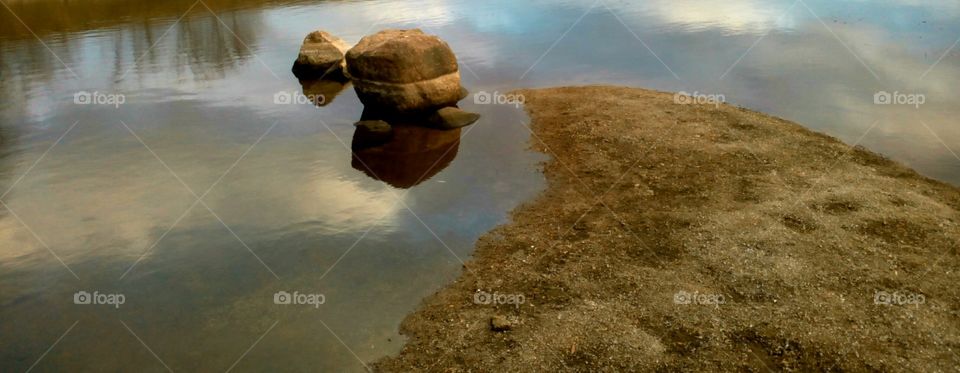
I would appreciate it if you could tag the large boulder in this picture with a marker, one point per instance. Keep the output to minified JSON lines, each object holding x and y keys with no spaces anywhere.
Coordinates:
{"x":321,"y":55}
{"x":404,"y":71}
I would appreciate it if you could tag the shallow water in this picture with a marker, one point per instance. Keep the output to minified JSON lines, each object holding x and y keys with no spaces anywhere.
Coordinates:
{"x":112,"y":190}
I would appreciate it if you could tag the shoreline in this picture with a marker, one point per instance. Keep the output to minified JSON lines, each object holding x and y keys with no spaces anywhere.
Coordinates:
{"x":689,"y":237}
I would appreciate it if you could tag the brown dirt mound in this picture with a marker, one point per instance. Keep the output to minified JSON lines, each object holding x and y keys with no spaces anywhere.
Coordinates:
{"x":656,"y":212}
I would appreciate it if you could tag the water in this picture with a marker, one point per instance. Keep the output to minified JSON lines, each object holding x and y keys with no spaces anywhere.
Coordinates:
{"x":284,"y":205}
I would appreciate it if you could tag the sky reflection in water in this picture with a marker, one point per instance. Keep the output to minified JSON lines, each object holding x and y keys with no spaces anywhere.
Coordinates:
{"x":199,"y":92}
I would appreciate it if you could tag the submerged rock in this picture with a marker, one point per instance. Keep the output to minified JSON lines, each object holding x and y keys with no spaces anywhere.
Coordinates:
{"x":452,"y":117}
{"x":321,"y":55}
{"x":404,"y":71}
{"x":447,"y":118}
{"x":371,"y":133}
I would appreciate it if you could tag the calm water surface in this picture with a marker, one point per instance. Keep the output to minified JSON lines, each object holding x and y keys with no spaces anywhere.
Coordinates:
{"x":113,"y":206}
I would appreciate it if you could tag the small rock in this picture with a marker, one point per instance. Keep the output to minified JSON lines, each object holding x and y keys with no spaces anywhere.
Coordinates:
{"x":371,"y":133}
{"x":499,"y":323}
{"x":452,"y":117}
{"x":321,"y":55}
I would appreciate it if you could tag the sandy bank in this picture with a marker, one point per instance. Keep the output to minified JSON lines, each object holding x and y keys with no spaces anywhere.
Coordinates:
{"x":656,"y":213}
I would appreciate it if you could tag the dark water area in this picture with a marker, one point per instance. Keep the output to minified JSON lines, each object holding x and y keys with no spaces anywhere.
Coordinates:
{"x":107,"y":198}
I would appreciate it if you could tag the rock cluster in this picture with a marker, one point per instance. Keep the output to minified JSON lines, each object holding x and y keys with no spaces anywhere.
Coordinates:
{"x":409,"y":84}
{"x":397,"y":73}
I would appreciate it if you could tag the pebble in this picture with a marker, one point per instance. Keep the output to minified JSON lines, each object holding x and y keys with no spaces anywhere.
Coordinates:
{"x":499,"y":323}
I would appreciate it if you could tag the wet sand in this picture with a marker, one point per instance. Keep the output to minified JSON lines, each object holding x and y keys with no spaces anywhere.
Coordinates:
{"x":694,"y":237}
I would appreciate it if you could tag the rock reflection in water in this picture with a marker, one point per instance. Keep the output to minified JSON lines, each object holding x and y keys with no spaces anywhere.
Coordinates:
{"x":414,"y":154}
{"x":321,"y":92}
